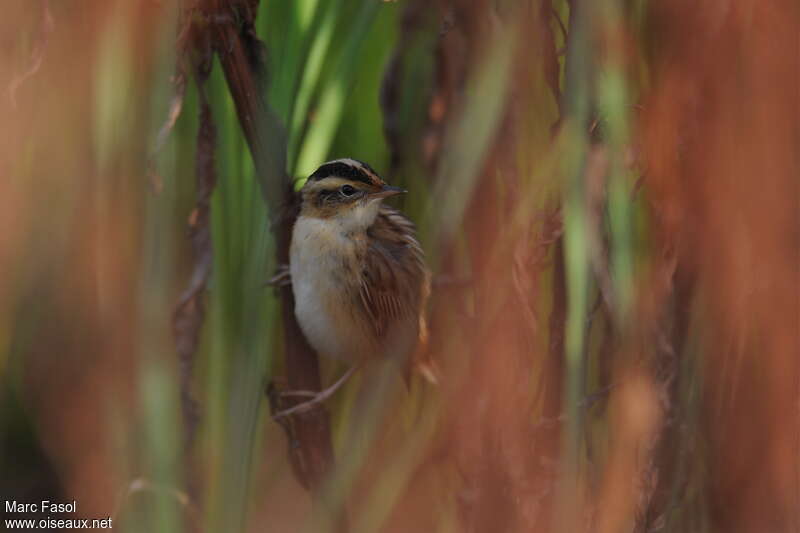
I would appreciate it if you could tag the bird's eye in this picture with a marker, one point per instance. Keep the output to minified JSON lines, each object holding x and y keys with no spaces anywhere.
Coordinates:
{"x":348,"y":190}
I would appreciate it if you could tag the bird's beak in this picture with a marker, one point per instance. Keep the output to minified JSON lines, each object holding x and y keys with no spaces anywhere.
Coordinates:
{"x":387,"y":191}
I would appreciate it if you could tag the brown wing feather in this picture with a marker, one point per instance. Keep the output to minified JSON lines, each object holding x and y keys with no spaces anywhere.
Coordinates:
{"x":395,"y":282}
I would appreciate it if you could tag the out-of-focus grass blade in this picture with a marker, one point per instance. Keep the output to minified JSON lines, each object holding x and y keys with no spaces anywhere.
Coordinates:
{"x":407,"y":88}
{"x":470,"y":137}
{"x":319,"y":51}
{"x":287,"y":28}
{"x":613,"y":100}
{"x":395,"y":477}
{"x":159,"y":400}
{"x":360,"y":131}
{"x":242,"y":311}
{"x":113,"y":119}
{"x":359,"y":429}
{"x":113,"y":78}
{"x":576,"y":257}
{"x":312,"y":145}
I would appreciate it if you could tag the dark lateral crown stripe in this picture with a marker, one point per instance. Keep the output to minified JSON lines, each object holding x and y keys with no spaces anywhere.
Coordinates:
{"x":341,"y":170}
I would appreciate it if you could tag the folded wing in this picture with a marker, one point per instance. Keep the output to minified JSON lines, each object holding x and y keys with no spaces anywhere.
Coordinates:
{"x":394,"y":282}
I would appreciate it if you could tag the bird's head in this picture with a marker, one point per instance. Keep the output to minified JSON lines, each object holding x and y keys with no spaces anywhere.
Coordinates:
{"x":346,"y":190}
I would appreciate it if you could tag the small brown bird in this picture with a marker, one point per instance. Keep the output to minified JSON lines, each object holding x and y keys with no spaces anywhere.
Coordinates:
{"x":357,"y":271}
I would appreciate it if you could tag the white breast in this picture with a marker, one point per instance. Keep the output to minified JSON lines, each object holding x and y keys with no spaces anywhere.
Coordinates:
{"x":316,"y":252}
